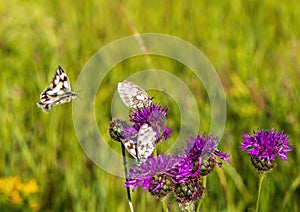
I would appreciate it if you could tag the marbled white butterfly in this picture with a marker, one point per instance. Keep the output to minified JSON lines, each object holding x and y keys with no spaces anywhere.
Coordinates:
{"x":59,"y":91}
{"x":133,"y":96}
{"x":145,"y":140}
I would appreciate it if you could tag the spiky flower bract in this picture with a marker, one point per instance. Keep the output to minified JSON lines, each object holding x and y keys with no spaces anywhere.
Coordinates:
{"x":116,"y":128}
{"x":190,"y":191}
{"x":264,"y":148}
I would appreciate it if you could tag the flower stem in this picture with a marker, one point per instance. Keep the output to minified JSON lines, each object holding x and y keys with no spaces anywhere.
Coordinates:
{"x":164,"y":205}
{"x":125,"y":170}
{"x":261,"y":179}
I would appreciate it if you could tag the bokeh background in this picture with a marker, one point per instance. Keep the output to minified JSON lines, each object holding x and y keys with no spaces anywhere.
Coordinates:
{"x":253,"y":45}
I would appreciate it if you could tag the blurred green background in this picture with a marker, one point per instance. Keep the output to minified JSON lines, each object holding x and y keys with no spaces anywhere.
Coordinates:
{"x":253,"y":45}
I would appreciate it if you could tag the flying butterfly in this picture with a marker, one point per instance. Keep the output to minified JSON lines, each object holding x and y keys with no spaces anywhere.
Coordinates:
{"x":59,"y":91}
{"x":133,"y":96}
{"x":144,"y":141}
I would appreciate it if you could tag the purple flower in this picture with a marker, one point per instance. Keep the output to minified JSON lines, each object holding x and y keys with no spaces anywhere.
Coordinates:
{"x":153,"y":174}
{"x":129,"y":132}
{"x":155,"y":116}
{"x":198,"y":159}
{"x":264,"y":147}
{"x":180,"y":173}
{"x":202,"y":152}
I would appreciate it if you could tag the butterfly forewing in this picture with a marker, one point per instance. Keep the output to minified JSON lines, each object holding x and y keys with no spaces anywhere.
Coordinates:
{"x":60,"y":83}
{"x":133,"y":96}
{"x":59,"y":91}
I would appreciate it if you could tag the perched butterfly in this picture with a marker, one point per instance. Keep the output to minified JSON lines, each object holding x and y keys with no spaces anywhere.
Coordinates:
{"x":59,"y":91}
{"x":144,"y":141}
{"x":133,"y":96}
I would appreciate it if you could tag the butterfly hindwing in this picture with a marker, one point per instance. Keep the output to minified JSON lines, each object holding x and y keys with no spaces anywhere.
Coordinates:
{"x":133,"y":96}
{"x":59,"y":91}
{"x":130,"y":144}
{"x":145,"y":141}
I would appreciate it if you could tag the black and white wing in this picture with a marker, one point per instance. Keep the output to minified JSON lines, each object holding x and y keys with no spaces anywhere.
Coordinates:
{"x":143,"y":141}
{"x":146,"y":141}
{"x":130,"y":144}
{"x":133,"y":96}
{"x":59,"y":91}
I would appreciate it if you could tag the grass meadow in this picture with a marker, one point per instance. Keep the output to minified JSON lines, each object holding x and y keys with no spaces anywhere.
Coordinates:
{"x":253,"y":45}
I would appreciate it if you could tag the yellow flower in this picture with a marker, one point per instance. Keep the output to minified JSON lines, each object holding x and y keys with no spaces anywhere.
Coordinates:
{"x":15,"y":197}
{"x":16,"y":191}
{"x":30,"y":187}
{"x":10,"y":184}
{"x":35,"y":206}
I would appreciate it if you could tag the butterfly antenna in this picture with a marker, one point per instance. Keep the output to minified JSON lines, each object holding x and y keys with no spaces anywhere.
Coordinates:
{"x":81,"y":91}
{"x":125,"y":171}
{"x":79,"y":97}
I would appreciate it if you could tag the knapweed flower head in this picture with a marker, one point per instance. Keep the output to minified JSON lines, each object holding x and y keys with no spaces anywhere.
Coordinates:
{"x":203,"y":153}
{"x":190,"y":191}
{"x":181,"y":174}
{"x":146,"y":130}
{"x":264,"y":147}
{"x":198,"y":158}
{"x":154,"y":115}
{"x":153,"y":175}
{"x":116,"y":129}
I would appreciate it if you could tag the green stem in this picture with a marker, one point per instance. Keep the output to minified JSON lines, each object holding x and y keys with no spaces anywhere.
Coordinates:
{"x":125,"y":170}
{"x":164,"y":205}
{"x":261,"y":179}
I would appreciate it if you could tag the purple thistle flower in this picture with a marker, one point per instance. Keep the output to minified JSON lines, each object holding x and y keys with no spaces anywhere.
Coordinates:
{"x":153,"y":174}
{"x":264,"y":147}
{"x":202,"y":152}
{"x":154,"y":115}
{"x":198,"y":159}
{"x":180,"y":173}
{"x":266,"y":144}
{"x":129,"y":132}
{"x":184,"y":170}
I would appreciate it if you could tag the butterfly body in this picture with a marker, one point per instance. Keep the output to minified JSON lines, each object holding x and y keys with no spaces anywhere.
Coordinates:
{"x":59,"y":91}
